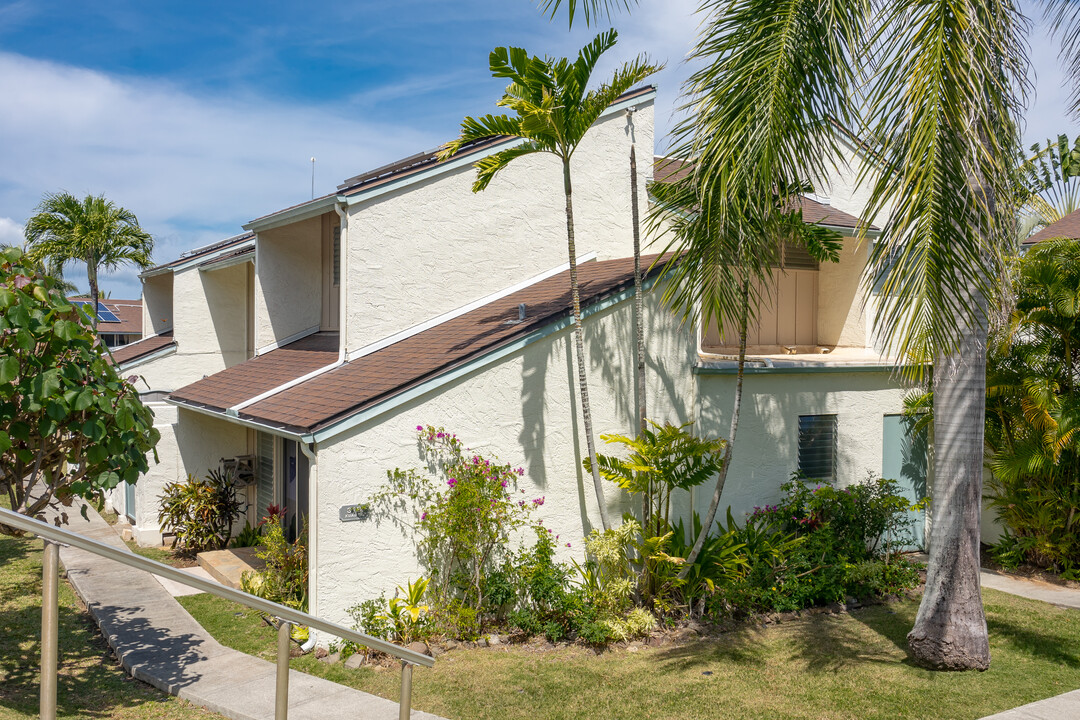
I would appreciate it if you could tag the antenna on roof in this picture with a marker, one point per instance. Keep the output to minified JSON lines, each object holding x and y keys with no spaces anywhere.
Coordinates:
{"x":312,"y":178}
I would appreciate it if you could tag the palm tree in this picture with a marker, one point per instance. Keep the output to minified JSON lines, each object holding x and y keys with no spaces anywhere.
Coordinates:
{"x":553,"y":111}
{"x":945,"y":85}
{"x":1050,"y":180}
{"x":93,"y":230}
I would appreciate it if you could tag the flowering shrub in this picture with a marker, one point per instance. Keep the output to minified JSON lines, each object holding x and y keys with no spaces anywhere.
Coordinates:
{"x":464,"y":509}
{"x":284,"y":580}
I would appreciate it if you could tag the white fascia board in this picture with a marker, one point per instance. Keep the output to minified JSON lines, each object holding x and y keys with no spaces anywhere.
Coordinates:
{"x":146,"y":358}
{"x":249,"y":258}
{"x":468,"y":160}
{"x":239,"y":420}
{"x":311,"y":209}
{"x":208,"y":257}
{"x":469,"y":367}
{"x":286,"y":340}
{"x":458,"y":312}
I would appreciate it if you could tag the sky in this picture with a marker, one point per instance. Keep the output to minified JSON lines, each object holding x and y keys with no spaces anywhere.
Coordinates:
{"x":200,"y":116}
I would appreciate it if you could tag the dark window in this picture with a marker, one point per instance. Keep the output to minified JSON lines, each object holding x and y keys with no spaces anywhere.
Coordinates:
{"x":337,"y":256}
{"x":817,"y":447}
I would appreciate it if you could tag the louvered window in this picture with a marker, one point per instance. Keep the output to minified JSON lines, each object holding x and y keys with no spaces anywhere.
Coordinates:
{"x":264,"y":473}
{"x":817,"y":447}
{"x":337,"y":256}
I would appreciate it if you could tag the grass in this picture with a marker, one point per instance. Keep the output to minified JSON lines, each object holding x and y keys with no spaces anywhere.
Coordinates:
{"x":825,"y":666}
{"x":91,"y":684}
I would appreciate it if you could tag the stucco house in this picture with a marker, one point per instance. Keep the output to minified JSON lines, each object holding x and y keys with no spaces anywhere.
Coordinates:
{"x":306,"y":351}
{"x":119,"y":322}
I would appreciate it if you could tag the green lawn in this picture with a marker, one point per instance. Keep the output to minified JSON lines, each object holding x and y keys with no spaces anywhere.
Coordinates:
{"x":91,"y":682}
{"x":845,"y":666}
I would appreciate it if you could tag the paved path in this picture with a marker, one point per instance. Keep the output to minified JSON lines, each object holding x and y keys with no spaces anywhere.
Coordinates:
{"x":159,"y":643}
{"x":1060,"y":707}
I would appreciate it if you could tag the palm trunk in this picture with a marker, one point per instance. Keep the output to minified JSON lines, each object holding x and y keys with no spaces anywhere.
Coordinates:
{"x":639,"y":320}
{"x":579,"y":347}
{"x":950,"y":629}
{"x":91,"y":277}
{"x":710,"y":516}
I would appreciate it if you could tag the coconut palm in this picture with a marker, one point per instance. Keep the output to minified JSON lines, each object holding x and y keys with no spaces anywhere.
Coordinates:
{"x":552,"y":112}
{"x":945,"y":85}
{"x":93,"y":230}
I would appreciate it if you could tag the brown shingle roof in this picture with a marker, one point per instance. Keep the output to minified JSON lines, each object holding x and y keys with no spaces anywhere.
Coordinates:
{"x":142,"y":348}
{"x":669,"y":170}
{"x":199,"y":252}
{"x":1067,"y":227}
{"x":332,"y":396}
{"x":259,"y":374}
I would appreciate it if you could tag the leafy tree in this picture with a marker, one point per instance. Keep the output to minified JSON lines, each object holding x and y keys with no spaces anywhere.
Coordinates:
{"x":944,"y":84}
{"x":70,"y":426}
{"x":93,"y":230}
{"x":552,"y":112}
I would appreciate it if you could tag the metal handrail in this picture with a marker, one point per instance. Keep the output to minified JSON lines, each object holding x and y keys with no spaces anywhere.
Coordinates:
{"x":288,"y":616}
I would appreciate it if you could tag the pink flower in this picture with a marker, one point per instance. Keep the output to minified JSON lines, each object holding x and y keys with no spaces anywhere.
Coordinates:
{"x":567,"y":544}
{"x":420,"y":428}
{"x":538,"y":501}
{"x":452,"y":482}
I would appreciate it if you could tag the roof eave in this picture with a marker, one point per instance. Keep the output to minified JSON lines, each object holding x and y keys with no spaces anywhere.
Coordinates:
{"x":306,"y":211}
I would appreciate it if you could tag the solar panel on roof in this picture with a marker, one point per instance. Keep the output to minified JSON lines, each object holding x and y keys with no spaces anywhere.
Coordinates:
{"x":104,"y":314}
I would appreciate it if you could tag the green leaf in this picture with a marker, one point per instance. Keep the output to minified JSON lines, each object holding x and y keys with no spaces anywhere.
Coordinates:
{"x":96,"y":454}
{"x":9,"y":369}
{"x":5,"y":441}
{"x":7,"y":298}
{"x":56,"y":410}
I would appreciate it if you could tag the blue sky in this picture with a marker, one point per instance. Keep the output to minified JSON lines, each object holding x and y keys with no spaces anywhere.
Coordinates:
{"x":199,"y":116}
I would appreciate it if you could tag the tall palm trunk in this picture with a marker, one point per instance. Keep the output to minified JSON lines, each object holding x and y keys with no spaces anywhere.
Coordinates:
{"x":721,"y":478}
{"x":579,"y":347}
{"x":639,"y":319}
{"x":950,"y":629}
{"x":91,"y":277}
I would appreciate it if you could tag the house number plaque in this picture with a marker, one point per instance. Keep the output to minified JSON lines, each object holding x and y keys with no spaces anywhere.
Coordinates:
{"x":354,"y":513}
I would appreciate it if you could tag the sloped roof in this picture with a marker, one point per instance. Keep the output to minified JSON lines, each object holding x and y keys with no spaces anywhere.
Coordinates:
{"x":142,"y":348}
{"x":368,"y":380}
{"x":1067,"y":227}
{"x":129,"y":313}
{"x":204,"y":251}
{"x":670,"y":170}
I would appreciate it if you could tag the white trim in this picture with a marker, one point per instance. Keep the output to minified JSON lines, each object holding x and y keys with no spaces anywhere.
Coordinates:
{"x":228,"y":262}
{"x":445,"y":317}
{"x":168,"y":350}
{"x":275,"y":431}
{"x":286,"y":340}
{"x":208,"y":257}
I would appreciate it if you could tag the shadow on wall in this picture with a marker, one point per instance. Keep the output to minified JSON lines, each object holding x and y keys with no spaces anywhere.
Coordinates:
{"x":203,"y":441}
{"x":226,"y":293}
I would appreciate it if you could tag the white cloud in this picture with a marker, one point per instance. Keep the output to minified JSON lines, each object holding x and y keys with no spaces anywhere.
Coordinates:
{"x":11,"y":232}
{"x":192,"y":168}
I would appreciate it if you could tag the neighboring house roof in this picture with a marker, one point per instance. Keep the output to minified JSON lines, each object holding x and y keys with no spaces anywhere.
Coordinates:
{"x":669,"y":170}
{"x":128,"y":313}
{"x":142,"y":348}
{"x":361,"y":383}
{"x":1067,"y":227}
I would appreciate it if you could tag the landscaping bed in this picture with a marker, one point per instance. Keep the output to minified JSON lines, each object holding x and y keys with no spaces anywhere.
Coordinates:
{"x":851,"y":664}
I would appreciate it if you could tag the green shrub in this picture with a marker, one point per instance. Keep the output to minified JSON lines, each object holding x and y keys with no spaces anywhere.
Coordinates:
{"x":248,"y":537}
{"x":284,"y":579}
{"x":200,"y":511}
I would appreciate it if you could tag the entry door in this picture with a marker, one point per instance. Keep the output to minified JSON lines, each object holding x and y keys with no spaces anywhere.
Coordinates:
{"x":904,"y":459}
{"x":294,"y":487}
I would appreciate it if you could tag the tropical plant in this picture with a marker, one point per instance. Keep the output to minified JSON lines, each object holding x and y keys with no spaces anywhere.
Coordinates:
{"x":945,"y":85}
{"x":1050,"y":182}
{"x":660,"y":461}
{"x":405,"y":616}
{"x":552,"y":112}
{"x":70,"y":426}
{"x":284,"y":578}
{"x":93,"y":230}
{"x":200,"y":511}
{"x":464,"y":518}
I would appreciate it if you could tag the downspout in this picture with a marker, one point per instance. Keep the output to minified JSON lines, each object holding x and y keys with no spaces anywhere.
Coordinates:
{"x":342,"y":275}
{"x":313,"y":536}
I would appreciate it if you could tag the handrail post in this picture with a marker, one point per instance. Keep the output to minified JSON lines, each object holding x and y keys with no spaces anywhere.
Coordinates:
{"x":50,"y":631}
{"x":281,"y":700}
{"x":405,"y":703}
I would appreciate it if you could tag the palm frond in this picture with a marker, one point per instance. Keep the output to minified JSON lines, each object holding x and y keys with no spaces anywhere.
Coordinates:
{"x":592,"y":10}
{"x":1064,"y":16}
{"x":489,"y":166}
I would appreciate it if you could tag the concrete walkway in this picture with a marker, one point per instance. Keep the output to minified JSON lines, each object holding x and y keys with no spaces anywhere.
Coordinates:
{"x":1055,"y":708}
{"x":158,"y":642}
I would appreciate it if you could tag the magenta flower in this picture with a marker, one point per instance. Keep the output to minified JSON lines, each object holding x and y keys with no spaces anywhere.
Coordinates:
{"x":567,"y":544}
{"x":452,"y":482}
{"x":420,"y":428}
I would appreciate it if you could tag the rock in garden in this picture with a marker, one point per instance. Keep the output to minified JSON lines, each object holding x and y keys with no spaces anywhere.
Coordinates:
{"x":334,"y":657}
{"x":495,"y":640}
{"x":419,"y":647}
{"x":355,"y":660}
{"x":482,"y":642}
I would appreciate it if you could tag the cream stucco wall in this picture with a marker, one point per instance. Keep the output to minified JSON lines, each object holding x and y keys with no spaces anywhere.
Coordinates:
{"x":288,"y":283}
{"x":434,"y":245}
{"x":766,"y":450}
{"x":191,"y":443}
{"x":524,"y":409}
{"x":157,"y":304}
